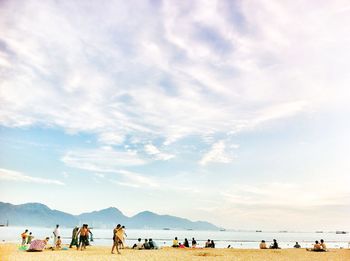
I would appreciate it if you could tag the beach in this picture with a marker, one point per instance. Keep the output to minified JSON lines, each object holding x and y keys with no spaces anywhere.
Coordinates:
{"x":10,"y":252}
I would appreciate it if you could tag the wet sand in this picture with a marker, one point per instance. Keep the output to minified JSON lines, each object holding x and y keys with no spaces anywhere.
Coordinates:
{"x":10,"y":252}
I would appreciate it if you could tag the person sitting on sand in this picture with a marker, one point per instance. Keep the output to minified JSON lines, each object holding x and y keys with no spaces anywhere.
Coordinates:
{"x":323,"y":245}
{"x":181,"y":245}
{"x":212,"y":244}
{"x":175,"y":242}
{"x":194,"y":242}
{"x":263,"y":245}
{"x":152,"y":244}
{"x":274,"y":245}
{"x":24,"y":236}
{"x":139,"y":245}
{"x":207,"y":244}
{"x":146,"y":245}
{"x":38,"y":245}
{"x":296,"y":245}
{"x":30,"y":238}
{"x":117,"y":238}
{"x":186,"y":244}
{"x":316,"y":247}
{"x":58,"y":243}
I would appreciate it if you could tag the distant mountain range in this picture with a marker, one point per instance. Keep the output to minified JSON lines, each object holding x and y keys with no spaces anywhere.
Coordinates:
{"x":36,"y":214}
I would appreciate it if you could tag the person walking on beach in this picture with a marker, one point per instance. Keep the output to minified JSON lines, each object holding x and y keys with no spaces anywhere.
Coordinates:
{"x":74,"y":241}
{"x":24,"y":236}
{"x":56,"y":233}
{"x":117,"y":238}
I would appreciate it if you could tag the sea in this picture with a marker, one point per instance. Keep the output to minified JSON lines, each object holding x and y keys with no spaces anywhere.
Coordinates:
{"x":222,"y":239}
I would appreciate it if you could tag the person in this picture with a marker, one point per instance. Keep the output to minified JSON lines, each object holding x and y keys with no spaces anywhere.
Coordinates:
{"x":262,"y":245}
{"x":186,"y":244}
{"x":152,"y":244}
{"x":56,"y":233}
{"x":146,"y":245}
{"x":74,"y":241}
{"x":117,"y":238}
{"x":175,"y":242}
{"x":181,"y":245}
{"x":24,"y":236}
{"x":212,"y":244}
{"x":38,"y":245}
{"x":58,"y":243}
{"x":139,"y":245}
{"x":296,"y":245}
{"x":323,"y":245}
{"x":124,"y":236}
{"x":274,"y":245}
{"x":207,"y":244}
{"x":194,"y":242}
{"x":229,"y":246}
{"x":83,"y":237}
{"x":30,"y":238}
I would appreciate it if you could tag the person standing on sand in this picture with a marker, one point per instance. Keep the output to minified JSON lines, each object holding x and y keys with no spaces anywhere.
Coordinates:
{"x":24,"y":236}
{"x":74,"y":241}
{"x":83,"y":238}
{"x":117,"y":238}
{"x":56,"y":233}
{"x":30,"y":238}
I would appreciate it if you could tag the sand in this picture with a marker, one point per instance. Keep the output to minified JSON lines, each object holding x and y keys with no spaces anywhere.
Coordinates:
{"x":10,"y":252}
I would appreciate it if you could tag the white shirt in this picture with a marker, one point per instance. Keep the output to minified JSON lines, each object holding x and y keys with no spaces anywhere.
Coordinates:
{"x":57,"y":232}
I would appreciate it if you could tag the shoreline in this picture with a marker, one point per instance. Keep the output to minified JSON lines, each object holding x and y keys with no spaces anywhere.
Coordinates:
{"x":10,"y":252}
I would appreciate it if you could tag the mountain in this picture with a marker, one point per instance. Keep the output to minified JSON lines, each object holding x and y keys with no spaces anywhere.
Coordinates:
{"x":36,"y":214}
{"x":154,"y":220}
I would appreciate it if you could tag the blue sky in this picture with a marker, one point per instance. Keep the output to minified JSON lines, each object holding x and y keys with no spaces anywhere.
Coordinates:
{"x":234,"y":112}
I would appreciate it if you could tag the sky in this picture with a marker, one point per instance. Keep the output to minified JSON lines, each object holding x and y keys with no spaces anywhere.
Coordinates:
{"x":233,"y":112}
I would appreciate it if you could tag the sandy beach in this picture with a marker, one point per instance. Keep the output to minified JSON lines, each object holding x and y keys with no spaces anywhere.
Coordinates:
{"x":10,"y":252}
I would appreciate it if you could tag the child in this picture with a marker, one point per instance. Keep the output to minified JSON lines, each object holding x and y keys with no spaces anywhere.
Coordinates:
{"x":30,"y":238}
{"x":58,"y":242}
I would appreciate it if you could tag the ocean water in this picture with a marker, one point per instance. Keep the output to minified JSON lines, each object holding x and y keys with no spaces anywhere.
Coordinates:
{"x":237,"y":239}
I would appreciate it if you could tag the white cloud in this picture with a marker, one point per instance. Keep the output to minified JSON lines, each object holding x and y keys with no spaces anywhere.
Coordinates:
{"x":217,"y":154}
{"x":136,"y":180}
{"x":104,"y":159}
{"x":11,"y":175}
{"x":192,"y":70}
{"x":154,"y":151}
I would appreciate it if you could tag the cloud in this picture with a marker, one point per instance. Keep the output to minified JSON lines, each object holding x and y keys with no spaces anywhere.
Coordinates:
{"x":154,"y":151}
{"x":104,"y":159}
{"x":11,"y":175}
{"x":190,"y":69}
{"x":217,"y":154}
{"x":136,"y":180}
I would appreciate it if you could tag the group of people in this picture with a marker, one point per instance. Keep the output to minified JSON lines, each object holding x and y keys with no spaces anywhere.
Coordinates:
{"x":147,"y":244}
{"x":274,"y":245}
{"x":186,"y":244}
{"x":26,"y":238}
{"x":318,"y":246}
{"x":80,"y":239}
{"x":118,"y":238}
